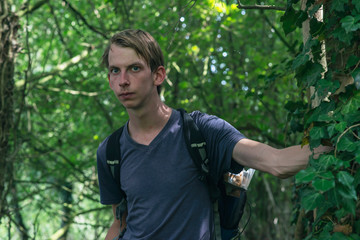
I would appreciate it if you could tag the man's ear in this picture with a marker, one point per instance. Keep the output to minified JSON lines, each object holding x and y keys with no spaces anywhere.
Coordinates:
{"x":159,"y":76}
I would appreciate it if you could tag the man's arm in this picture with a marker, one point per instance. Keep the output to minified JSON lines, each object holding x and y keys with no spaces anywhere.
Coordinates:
{"x":114,"y":230}
{"x":281,"y":163}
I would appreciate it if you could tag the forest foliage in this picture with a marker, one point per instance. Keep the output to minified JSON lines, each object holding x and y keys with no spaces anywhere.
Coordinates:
{"x":255,"y":65}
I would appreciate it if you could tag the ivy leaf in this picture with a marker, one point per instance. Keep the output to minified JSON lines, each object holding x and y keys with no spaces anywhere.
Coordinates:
{"x":331,"y":129}
{"x":316,"y":27}
{"x":354,"y":236}
{"x":323,"y":184}
{"x":352,"y":61}
{"x":317,"y":133}
{"x":357,"y":5}
{"x":326,"y":161}
{"x":340,"y":127}
{"x":345,"y":178}
{"x":334,"y":197}
{"x":305,"y":176}
{"x":312,"y":200}
{"x":309,"y":73}
{"x":349,"y":205}
{"x":338,"y":5}
{"x":352,"y":106}
{"x":350,"y":24}
{"x":291,"y":20}
{"x":338,"y":236}
{"x":342,"y":35}
{"x":346,"y":144}
{"x":300,"y":60}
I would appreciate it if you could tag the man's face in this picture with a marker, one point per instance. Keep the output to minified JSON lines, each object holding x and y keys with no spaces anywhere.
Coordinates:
{"x":130,"y":77}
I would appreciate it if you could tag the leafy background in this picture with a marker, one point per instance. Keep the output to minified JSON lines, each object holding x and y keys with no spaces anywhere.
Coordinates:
{"x":282,"y":76}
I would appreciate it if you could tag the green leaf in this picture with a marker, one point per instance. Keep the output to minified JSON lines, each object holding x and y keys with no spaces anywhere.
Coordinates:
{"x":357,"y":5}
{"x":325,"y":235}
{"x":354,"y":236}
{"x":349,"y":205}
{"x":350,"y":24}
{"x":316,"y":27}
{"x":309,"y":73}
{"x":323,"y":185}
{"x":352,"y":61}
{"x":317,"y":133}
{"x":312,"y":200}
{"x":345,"y":178}
{"x":334,"y":197}
{"x":342,"y":35}
{"x":305,"y":176}
{"x":345,"y":144}
{"x":340,"y":127}
{"x":331,"y":130}
{"x":346,"y":193}
{"x":300,"y":60}
{"x":338,"y":5}
{"x":338,"y":236}
{"x":289,"y":20}
{"x":326,"y":161}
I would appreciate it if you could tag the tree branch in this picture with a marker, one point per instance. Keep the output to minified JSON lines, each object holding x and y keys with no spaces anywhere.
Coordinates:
{"x":291,"y":48}
{"x":26,"y":10}
{"x":92,"y":28}
{"x":261,"y":7}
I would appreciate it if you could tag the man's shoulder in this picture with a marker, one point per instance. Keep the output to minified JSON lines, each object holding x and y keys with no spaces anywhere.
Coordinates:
{"x":103,"y":144}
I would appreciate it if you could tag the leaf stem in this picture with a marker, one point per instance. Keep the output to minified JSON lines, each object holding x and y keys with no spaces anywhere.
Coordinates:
{"x":337,"y":141}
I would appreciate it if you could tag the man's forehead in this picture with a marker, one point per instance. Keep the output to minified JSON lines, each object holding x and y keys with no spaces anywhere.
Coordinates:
{"x":124,"y":54}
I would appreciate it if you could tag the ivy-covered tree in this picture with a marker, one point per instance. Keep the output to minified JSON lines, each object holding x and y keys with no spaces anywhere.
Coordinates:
{"x":327,"y":70}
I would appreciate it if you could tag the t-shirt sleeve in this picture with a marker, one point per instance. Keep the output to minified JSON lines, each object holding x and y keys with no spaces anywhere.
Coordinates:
{"x":109,"y":190}
{"x":221,"y":138}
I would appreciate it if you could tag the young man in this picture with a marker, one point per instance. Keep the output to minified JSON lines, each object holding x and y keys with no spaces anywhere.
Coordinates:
{"x":165,"y":198}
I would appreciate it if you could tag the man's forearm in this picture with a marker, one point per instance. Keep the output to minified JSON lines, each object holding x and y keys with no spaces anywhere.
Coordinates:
{"x":281,"y":163}
{"x":113,"y":232}
{"x":293,"y":159}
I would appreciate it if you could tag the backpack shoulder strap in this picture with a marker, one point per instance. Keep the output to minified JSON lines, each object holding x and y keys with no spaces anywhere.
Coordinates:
{"x":195,"y":143}
{"x":113,"y":155}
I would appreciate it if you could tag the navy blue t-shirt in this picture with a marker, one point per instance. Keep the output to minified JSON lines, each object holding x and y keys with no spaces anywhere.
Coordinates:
{"x":166,"y":199}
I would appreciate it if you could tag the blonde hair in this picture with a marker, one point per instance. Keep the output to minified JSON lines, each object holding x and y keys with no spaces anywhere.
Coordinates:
{"x":143,"y":44}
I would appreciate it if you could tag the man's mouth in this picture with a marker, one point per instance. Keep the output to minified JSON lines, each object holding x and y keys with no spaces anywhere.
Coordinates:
{"x":126,"y":94}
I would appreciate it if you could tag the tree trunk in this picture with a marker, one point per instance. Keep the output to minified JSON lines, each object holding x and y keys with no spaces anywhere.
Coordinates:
{"x":8,"y":29}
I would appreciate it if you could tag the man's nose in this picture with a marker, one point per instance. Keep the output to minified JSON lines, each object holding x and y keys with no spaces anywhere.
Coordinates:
{"x":123,"y":79}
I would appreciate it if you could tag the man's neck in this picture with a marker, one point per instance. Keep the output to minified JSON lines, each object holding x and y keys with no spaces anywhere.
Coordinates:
{"x":145,"y":124}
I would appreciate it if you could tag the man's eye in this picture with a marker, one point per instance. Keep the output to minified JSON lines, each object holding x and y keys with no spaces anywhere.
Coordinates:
{"x":114,"y":70}
{"x":135,"y":68}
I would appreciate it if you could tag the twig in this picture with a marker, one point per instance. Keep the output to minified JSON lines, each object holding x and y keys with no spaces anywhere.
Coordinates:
{"x":92,"y":28}
{"x":32,"y":9}
{"x":192,"y":2}
{"x":261,"y":7}
{"x":291,"y":48}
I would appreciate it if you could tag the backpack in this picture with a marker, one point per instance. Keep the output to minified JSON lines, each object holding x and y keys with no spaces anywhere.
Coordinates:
{"x":230,"y":208}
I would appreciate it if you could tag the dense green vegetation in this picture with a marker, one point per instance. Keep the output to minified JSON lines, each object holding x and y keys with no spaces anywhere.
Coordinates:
{"x":257,"y":66}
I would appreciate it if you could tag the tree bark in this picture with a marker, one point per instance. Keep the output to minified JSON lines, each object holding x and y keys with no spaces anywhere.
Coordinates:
{"x":8,"y":29}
